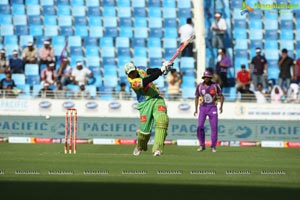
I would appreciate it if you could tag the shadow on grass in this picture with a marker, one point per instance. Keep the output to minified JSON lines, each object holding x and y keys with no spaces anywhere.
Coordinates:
{"x":86,"y":190}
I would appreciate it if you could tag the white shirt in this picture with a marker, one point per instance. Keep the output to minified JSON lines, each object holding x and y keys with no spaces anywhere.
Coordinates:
{"x":80,"y":75}
{"x":186,"y":31}
{"x":260,"y":98}
{"x":221,"y":24}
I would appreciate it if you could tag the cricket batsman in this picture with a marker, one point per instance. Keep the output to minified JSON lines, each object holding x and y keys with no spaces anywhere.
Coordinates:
{"x":151,"y":106}
{"x":207,"y":94}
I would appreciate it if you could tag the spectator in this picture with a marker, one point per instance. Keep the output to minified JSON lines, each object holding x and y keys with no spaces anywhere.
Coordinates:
{"x":48,"y":75}
{"x":29,"y":54}
{"x":174,"y":81}
{"x":4,"y":63}
{"x":185,"y":32}
{"x":16,"y":64}
{"x":293,"y":92}
{"x":46,"y":91}
{"x":276,"y":94}
{"x":242,"y":78}
{"x":247,"y":95}
{"x":7,"y":85}
{"x":215,"y":77}
{"x":65,"y":72}
{"x":259,"y":69}
{"x":123,"y":94}
{"x":297,"y":71}
{"x":81,"y":75}
{"x":59,"y":91}
{"x":82,"y":93}
{"x":218,"y":28}
{"x":260,"y":95}
{"x":47,"y":53}
{"x":285,"y":64}
{"x":222,"y":67}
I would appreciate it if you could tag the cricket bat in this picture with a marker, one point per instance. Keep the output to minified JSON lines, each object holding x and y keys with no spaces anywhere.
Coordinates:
{"x":180,"y":48}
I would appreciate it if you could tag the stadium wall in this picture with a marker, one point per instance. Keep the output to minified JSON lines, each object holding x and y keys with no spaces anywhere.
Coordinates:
{"x":45,"y":118}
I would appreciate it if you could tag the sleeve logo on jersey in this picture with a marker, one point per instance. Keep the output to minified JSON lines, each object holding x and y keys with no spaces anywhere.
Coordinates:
{"x":136,"y":84}
{"x":161,"y":108}
{"x":212,"y":92}
{"x":143,"y":118}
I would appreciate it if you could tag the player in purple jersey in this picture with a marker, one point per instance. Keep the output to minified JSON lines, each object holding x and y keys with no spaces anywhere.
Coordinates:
{"x":207,"y":94}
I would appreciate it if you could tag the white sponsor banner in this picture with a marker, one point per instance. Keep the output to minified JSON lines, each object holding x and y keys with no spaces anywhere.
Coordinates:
{"x":181,"y":109}
{"x":26,"y":140}
{"x":104,"y":141}
{"x":272,"y":144}
{"x":187,"y":142}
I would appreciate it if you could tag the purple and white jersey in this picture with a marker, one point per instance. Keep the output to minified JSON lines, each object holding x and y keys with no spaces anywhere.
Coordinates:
{"x":209,"y":93}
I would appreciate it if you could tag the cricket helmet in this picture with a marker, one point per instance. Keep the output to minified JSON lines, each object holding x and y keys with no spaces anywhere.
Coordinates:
{"x":207,"y":74}
{"x":129,"y":67}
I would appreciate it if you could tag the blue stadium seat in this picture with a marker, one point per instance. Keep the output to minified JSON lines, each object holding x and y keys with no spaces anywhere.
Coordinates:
{"x":255,"y":43}
{"x":154,"y":3}
{"x":50,"y":20}
{"x":240,"y":33}
{"x":122,"y":42}
{"x":271,"y":15}
{"x":80,"y":21}
{"x":58,"y":41}
{"x":51,"y":31}
{"x":123,"y":3}
{"x":110,"y":24}
{"x":169,"y":52}
{"x":171,"y":33}
{"x":106,"y":42}
{"x":140,"y":61}
{"x":5,"y":19}
{"x":66,"y":30}
{"x":125,"y":22}
{"x":255,"y":14}
{"x":108,"y":60}
{"x":237,"y":14}
{"x":169,"y":3}
{"x":139,"y":12}
{"x":92,"y":90}
{"x":33,"y":10}
{"x":95,"y":21}
{"x":154,"y":52}
{"x":81,"y":31}
{"x":25,"y":94}
{"x":138,"y":42}
{"x":109,"y":11}
{"x":185,"y":13}
{"x":170,"y":22}
{"x":33,"y":79}
{"x":123,"y":61}
{"x":154,"y":42}
{"x":140,"y":52}
{"x":18,"y":9}
{"x":123,"y":51}
{"x":109,"y":52}
{"x":48,"y":10}
{"x":62,"y":2}
{"x":108,"y":3}
{"x":124,"y":12}
{"x":24,"y":39}
{"x":34,"y":20}
{"x":255,"y":24}
{"x":93,"y":61}
{"x":32,"y":2}
{"x":18,"y":78}
{"x":75,"y":51}
{"x":187,"y":62}
{"x":271,"y":54}
{"x":170,"y":43}
{"x":7,"y":30}
{"x":286,"y":25}
{"x":9,"y":49}
{"x":184,"y":4}
{"x":75,"y":59}
{"x":74,"y":41}
{"x":10,"y":40}
{"x":65,"y":21}
{"x":77,"y":2}
{"x":109,"y":70}
{"x":78,"y":11}
{"x":141,"y":32}
{"x":271,"y":34}
{"x":169,"y":12}
{"x":110,"y":81}
{"x":95,"y":69}
{"x":63,"y":10}
{"x":92,"y":3}
{"x":126,"y":32}
{"x":47,"y":2}
{"x":36,"y":30}
{"x":93,"y":11}
{"x":154,"y":12}
{"x":31,"y":69}
{"x":286,"y":35}
{"x":138,"y":3}
{"x":4,"y":9}
{"x":91,"y":41}
{"x":91,"y":51}
{"x":256,"y":34}
{"x":289,"y":45}
{"x":140,"y":22}
{"x":236,"y":4}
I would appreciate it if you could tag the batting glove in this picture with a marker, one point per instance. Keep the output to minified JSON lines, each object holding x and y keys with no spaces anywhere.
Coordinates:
{"x":166,"y":67}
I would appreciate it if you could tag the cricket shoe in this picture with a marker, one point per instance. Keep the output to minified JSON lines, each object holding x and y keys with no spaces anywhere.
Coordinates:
{"x":157,"y":153}
{"x":137,"y":152}
{"x":213,"y":149}
{"x":200,"y":149}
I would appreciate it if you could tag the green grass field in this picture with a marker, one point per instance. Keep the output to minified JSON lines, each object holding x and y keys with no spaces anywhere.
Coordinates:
{"x":231,"y":173}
